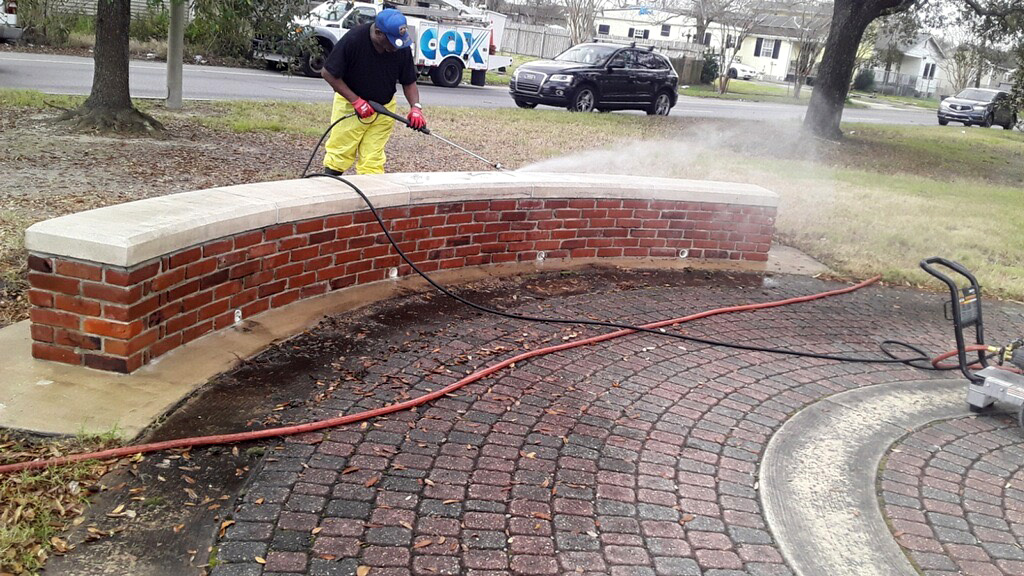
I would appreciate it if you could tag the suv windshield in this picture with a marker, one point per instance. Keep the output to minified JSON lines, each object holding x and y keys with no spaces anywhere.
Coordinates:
{"x":975,"y":94}
{"x":587,"y":54}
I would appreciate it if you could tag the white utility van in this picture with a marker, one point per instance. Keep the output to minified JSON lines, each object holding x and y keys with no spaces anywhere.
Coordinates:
{"x":445,"y":42}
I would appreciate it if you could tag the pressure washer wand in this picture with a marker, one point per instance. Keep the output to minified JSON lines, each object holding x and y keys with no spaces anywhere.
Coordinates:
{"x":382,"y":110}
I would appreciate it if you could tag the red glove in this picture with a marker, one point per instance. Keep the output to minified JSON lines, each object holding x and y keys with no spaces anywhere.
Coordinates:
{"x":417,"y":121}
{"x":363,"y":108}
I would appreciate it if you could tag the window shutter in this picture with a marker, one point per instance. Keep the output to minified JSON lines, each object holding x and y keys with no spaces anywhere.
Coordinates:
{"x":775,"y":50}
{"x":647,"y":34}
{"x":707,"y":38}
{"x":757,"y":46}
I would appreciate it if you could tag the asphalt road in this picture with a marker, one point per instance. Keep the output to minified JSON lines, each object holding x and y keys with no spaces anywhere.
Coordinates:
{"x":56,"y":74}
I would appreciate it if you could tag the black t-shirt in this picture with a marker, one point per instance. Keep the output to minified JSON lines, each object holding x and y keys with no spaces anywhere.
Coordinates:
{"x":370,"y":74}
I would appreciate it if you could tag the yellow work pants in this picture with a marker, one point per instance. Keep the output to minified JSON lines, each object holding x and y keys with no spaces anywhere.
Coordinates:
{"x":367,"y":136}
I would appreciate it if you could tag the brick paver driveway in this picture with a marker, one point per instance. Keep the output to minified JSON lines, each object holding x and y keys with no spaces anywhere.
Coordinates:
{"x":633,"y":457}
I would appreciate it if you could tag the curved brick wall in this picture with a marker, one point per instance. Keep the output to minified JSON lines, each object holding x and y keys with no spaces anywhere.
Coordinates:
{"x":117,"y":287}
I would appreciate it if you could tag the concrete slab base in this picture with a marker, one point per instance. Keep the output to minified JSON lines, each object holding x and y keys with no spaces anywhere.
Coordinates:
{"x":50,"y":398}
{"x":818,"y":476}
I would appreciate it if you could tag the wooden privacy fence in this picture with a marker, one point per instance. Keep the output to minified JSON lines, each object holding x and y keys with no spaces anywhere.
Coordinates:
{"x":539,"y":41}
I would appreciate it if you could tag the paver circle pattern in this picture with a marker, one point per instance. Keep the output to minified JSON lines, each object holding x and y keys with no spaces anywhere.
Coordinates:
{"x":953,"y":493}
{"x":634,"y":457}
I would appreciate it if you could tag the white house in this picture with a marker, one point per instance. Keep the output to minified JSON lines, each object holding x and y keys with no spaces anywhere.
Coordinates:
{"x":911,"y":68}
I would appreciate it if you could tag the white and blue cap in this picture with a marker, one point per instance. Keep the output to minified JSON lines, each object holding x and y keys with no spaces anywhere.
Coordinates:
{"x":393,"y":24}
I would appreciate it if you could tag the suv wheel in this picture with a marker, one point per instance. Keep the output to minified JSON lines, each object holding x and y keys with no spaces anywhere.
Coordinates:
{"x":525,"y":104}
{"x":583,"y":100}
{"x":661,"y":106}
{"x":1010,"y":123}
{"x":943,"y":122}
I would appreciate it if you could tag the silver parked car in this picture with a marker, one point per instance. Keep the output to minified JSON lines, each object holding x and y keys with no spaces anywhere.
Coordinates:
{"x":979,"y":106}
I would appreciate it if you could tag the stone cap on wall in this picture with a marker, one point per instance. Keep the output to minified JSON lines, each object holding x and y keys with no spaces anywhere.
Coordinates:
{"x":134,"y":232}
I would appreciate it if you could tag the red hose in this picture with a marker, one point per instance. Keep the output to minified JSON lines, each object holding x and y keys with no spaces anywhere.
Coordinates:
{"x":411,"y":403}
{"x":937,"y":361}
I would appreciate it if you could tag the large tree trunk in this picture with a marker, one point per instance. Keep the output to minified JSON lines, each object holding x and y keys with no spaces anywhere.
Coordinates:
{"x":109,"y":106}
{"x":832,"y":84}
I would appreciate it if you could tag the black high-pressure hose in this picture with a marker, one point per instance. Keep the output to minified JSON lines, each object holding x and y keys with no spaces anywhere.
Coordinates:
{"x":921,"y":361}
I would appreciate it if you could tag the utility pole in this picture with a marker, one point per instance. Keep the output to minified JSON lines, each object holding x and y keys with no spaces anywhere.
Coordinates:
{"x":175,"y":54}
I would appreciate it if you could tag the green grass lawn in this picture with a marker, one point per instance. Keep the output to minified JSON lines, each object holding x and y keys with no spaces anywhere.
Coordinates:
{"x":750,"y":91}
{"x":929,"y":103}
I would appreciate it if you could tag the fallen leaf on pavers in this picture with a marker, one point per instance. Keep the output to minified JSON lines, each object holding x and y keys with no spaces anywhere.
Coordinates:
{"x":117,"y":510}
{"x":317,"y":530}
{"x":423,"y":543}
{"x":178,"y":528}
{"x":260,"y":560}
{"x":362,"y":571}
{"x":189,"y":479}
{"x":350,"y":470}
{"x":686,"y":518}
{"x":406,"y":525}
{"x":452,"y":501}
{"x":59,"y":546}
{"x":224,"y":526}
{"x":372,"y":481}
{"x":327,"y":557}
{"x":428,"y":482}
{"x":542,"y":515}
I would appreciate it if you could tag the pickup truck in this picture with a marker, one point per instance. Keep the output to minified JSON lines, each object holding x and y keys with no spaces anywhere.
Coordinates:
{"x":9,"y":29}
{"x":443,"y":46}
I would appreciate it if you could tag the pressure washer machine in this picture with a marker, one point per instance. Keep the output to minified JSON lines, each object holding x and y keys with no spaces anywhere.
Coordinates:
{"x":1000,"y":381}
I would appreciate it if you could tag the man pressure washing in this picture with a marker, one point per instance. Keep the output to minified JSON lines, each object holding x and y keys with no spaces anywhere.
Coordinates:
{"x":364,"y":67}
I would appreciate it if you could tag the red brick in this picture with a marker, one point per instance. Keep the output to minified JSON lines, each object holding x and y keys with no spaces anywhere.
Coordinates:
{"x":77,"y":305}
{"x":179,"y":323}
{"x":186,"y":257}
{"x":54,"y":283}
{"x":41,"y":333}
{"x":244,"y":269}
{"x":196,"y":331}
{"x":271,"y":262}
{"x":53,"y":353}
{"x":261,"y":250}
{"x":217,"y":247}
{"x":259,"y":278}
{"x":210,"y":280}
{"x":292,"y":243}
{"x":272,"y":288}
{"x":284,"y":298}
{"x":108,"y":364}
{"x":230,"y":259}
{"x":304,"y":253}
{"x":224,"y":320}
{"x":79,"y":270}
{"x":338,"y":221}
{"x":122,"y":330}
{"x":213,"y":309}
{"x":182,"y":291}
{"x":112,"y":294}
{"x":302,"y":280}
{"x":167,"y":279}
{"x":197,"y":301}
{"x":40,"y":298}
{"x":228,"y":289}
{"x":166,"y":345}
{"x":129,"y":347}
{"x":278,"y":232}
{"x":123,"y":277}
{"x":309,"y":226}
{"x":40,"y":264}
{"x":248,"y":239}
{"x":201,"y":268}
{"x":54,"y":318}
{"x":254,"y":308}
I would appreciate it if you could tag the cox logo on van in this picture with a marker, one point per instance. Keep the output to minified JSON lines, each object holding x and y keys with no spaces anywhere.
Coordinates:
{"x":451,"y":42}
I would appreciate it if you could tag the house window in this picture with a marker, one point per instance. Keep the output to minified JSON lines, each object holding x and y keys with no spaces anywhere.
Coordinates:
{"x":707,"y":38}
{"x":728,"y":41}
{"x":666,"y":29}
{"x":767,"y":48}
{"x":929,"y":71}
{"x":638,"y":33}
{"x":602,"y":29}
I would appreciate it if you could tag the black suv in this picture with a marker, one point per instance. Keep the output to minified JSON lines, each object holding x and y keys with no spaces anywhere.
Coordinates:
{"x":599,"y":77}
